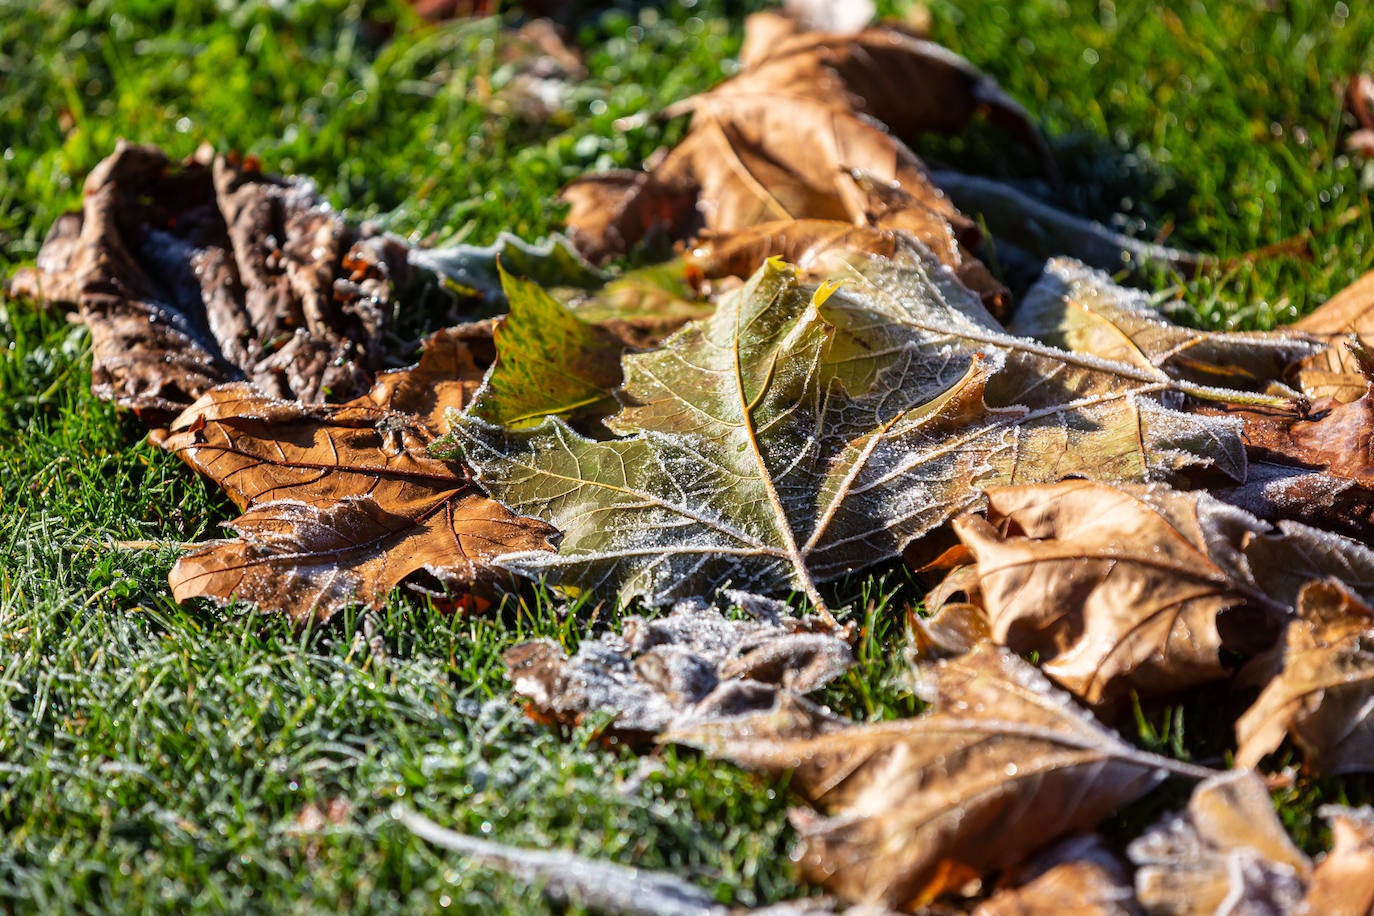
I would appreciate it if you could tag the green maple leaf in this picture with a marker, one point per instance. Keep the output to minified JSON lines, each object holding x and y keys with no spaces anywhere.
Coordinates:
{"x":803,"y":432}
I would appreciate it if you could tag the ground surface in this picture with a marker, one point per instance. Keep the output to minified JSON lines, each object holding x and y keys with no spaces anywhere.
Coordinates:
{"x":158,"y":757}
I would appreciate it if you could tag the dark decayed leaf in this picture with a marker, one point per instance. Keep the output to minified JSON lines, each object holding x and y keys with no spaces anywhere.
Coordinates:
{"x":694,"y":663}
{"x":1078,"y":875}
{"x":919,"y":807}
{"x":213,"y":272}
{"x":1227,"y":853}
{"x":804,"y":432}
{"x":1319,"y":686}
{"x":342,"y":503}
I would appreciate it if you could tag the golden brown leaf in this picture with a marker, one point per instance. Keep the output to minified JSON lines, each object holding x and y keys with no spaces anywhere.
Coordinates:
{"x":918,"y":807}
{"x":1114,"y":586}
{"x":1078,"y":875}
{"x":342,"y":503}
{"x":1227,"y":848}
{"x":1343,"y":881}
{"x":1320,"y":683}
{"x":1335,"y":373}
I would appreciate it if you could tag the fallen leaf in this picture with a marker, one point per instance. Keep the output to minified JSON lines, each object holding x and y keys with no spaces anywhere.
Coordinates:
{"x":695,"y":663}
{"x":1227,"y":853}
{"x":1343,"y":881}
{"x":919,"y":807}
{"x":1077,"y":875}
{"x":1113,"y":586}
{"x":208,"y":273}
{"x":794,"y":137}
{"x":1335,"y":373}
{"x":1078,"y":309}
{"x":1319,"y":684}
{"x":801,"y":433}
{"x":549,"y":362}
{"x":342,"y":503}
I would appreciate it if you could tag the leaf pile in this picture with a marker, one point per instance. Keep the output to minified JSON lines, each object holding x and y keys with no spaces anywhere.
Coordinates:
{"x":820,"y":381}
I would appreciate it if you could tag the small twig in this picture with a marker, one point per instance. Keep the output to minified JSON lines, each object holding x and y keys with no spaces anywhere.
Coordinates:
{"x":566,"y":876}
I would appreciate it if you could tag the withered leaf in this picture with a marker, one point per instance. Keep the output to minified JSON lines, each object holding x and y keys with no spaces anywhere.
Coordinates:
{"x":342,"y":503}
{"x":695,"y":663}
{"x":214,"y":272}
{"x":1077,"y":875}
{"x":1114,"y":586}
{"x":918,"y":807}
{"x":1226,"y":853}
{"x":1319,"y":685}
{"x":803,"y":432}
{"x":1343,"y":881}
{"x":793,"y":137}
{"x":1335,"y":372}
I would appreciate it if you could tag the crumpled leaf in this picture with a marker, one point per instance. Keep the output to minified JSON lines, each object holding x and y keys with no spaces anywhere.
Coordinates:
{"x":1077,"y":875}
{"x":801,"y":433}
{"x":794,"y":137}
{"x":1343,"y":881}
{"x":214,"y":272}
{"x":343,"y":503}
{"x":1319,"y":686}
{"x":1335,"y":372}
{"x":1078,"y":309}
{"x":1113,"y":586}
{"x":695,"y":663}
{"x":918,"y":807}
{"x":1226,"y":853}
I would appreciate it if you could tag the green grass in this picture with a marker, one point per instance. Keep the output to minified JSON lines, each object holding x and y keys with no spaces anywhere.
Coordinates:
{"x":162,"y":758}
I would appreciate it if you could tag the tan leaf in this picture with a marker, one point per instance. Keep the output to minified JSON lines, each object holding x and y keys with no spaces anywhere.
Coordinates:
{"x":1343,"y":881}
{"x":1320,"y":683}
{"x":1226,"y":853}
{"x":1114,"y":586}
{"x":342,"y":503}
{"x":208,"y":273}
{"x":794,"y":137}
{"x":1077,"y":875}
{"x":919,"y":807}
{"x":1335,"y":373}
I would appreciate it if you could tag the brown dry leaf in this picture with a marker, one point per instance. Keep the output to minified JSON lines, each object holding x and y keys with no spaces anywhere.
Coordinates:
{"x":343,"y":503}
{"x":1320,"y":683}
{"x":206,"y":273}
{"x":1078,"y":875}
{"x":693,"y":664}
{"x":1114,"y":586}
{"x":1343,"y":881}
{"x":1227,"y":853}
{"x":1335,"y":373}
{"x":920,"y":807}
{"x":793,"y":137}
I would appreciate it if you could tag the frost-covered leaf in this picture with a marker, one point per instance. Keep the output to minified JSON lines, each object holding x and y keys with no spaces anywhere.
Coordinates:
{"x":1113,"y":586}
{"x":1080,"y":309}
{"x":341,"y":504}
{"x":1319,"y":686}
{"x":476,"y":269}
{"x":1227,"y":853}
{"x":915,"y":808}
{"x":804,"y":432}
{"x":694,"y":663}
{"x":1335,"y":372}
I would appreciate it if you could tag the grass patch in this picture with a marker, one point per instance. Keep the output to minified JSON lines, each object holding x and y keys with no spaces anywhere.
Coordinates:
{"x":168,"y":758}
